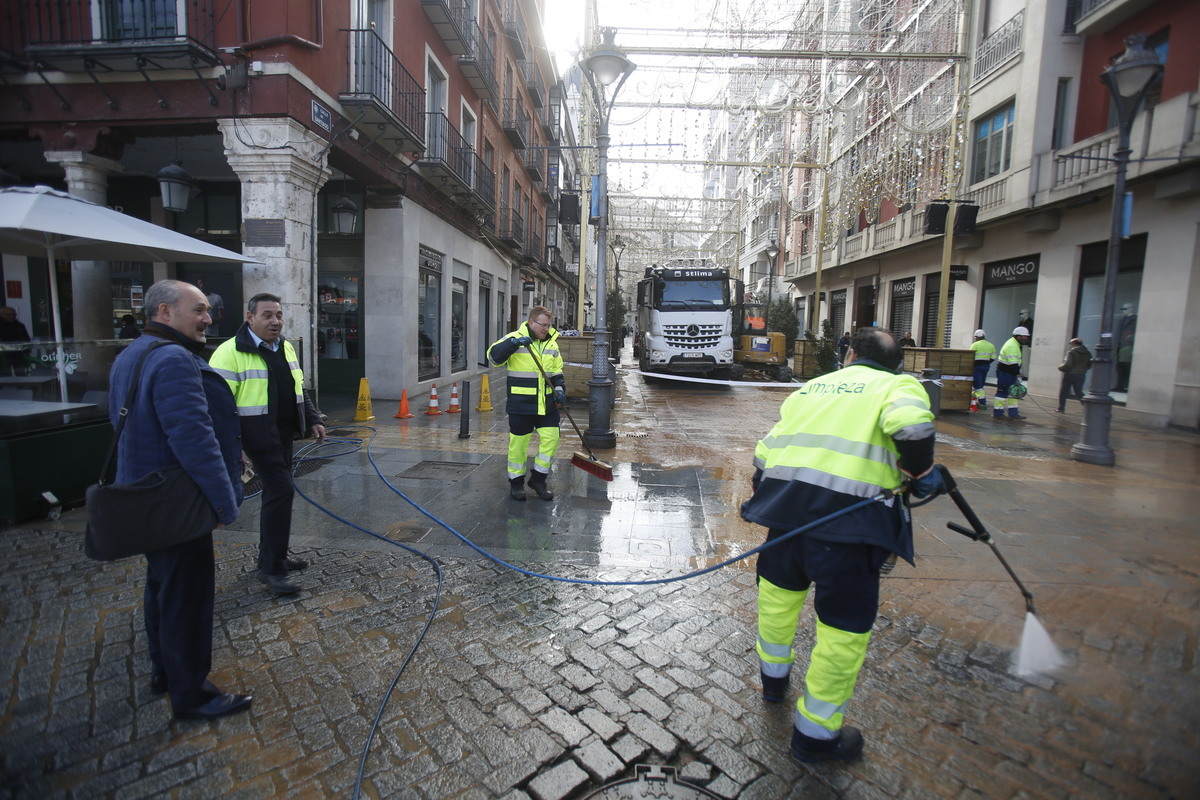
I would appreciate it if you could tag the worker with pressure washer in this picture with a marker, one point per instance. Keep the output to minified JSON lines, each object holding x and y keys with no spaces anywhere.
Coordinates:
{"x":1008,"y":375}
{"x":536,"y":389}
{"x":863,"y":431}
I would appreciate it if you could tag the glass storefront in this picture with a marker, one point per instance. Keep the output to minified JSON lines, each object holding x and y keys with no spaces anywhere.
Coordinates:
{"x":903,"y":291}
{"x":458,"y":325}
{"x":338,"y":323}
{"x":1093,"y":262}
{"x":429,"y":297}
{"x":1009,"y":300}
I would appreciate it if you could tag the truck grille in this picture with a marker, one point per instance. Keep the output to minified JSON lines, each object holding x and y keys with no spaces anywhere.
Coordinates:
{"x":692,"y":337}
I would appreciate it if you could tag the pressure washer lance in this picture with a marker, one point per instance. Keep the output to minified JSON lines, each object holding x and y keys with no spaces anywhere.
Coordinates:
{"x":1037,"y":653}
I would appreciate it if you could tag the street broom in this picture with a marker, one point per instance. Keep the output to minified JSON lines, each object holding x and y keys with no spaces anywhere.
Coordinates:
{"x":589,"y":462}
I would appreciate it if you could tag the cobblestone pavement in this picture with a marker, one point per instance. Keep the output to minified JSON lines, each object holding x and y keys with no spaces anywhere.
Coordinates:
{"x":527,"y":688}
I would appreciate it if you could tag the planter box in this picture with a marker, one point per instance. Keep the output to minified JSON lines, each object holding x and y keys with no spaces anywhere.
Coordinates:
{"x":578,"y":349}
{"x":803,"y":365}
{"x":949,"y":362}
{"x":956,"y":395}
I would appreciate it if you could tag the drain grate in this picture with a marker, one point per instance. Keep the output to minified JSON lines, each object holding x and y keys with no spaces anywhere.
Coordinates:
{"x":442,"y":471}
{"x":254,"y":485}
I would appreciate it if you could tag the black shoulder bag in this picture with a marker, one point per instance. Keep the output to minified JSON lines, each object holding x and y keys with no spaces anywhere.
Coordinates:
{"x":161,"y":509}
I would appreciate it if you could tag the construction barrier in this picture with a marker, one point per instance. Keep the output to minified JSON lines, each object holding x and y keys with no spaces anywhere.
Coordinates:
{"x":403,"y":412}
{"x":485,"y":394}
{"x":364,"y":412}
{"x":454,"y":408}
{"x":433,"y":410}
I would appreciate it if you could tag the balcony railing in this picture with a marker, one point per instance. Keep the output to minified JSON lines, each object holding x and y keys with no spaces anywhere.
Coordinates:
{"x":67,"y":34}
{"x":449,"y":18}
{"x":533,"y":248}
{"x":517,"y":30}
{"x":1092,"y":157}
{"x":386,"y":93}
{"x":516,"y":122}
{"x":512,"y":227}
{"x":447,"y":154}
{"x":1001,"y":47}
{"x":478,"y":64}
{"x":534,"y":83}
{"x":535,"y":164}
{"x":484,"y":194}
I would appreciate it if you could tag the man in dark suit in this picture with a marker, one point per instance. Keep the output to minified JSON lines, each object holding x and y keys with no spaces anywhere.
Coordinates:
{"x":263,"y":371}
{"x":182,"y":414}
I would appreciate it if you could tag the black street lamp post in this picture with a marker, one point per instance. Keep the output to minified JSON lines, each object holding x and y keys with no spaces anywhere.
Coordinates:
{"x":605,"y":66}
{"x":1130,"y":78}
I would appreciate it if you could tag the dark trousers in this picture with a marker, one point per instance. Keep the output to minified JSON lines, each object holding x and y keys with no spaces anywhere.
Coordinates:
{"x":1072,"y":383}
{"x":979,"y":375}
{"x":274,"y":469}
{"x":178,"y":609}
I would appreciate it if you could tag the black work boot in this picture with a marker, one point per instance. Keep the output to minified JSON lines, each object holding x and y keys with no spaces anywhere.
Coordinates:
{"x":537,"y":482}
{"x":517,"y":488}
{"x":847,"y":745}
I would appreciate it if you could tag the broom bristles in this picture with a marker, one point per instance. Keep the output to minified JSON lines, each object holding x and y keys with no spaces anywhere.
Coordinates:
{"x":598,"y":468}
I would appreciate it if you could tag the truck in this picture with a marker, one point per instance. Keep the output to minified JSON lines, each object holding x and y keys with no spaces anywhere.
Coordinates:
{"x":685,"y":320}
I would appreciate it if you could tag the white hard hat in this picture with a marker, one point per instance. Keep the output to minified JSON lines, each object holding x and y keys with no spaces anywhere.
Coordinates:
{"x":979,"y":334}
{"x":1020,"y":330}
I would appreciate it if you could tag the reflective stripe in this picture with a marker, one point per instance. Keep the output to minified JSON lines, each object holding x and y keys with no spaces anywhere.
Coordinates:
{"x":819,"y":708}
{"x":837,"y":444}
{"x":512,"y":373}
{"x":776,"y":650}
{"x":912,"y":432}
{"x":811,"y":729}
{"x":253,"y":411}
{"x":774,"y":669}
{"x":825,"y":480}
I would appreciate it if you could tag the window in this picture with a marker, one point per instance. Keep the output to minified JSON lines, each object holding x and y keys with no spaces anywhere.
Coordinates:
{"x":429,"y":303}
{"x":1058,"y":136}
{"x":993,"y":143}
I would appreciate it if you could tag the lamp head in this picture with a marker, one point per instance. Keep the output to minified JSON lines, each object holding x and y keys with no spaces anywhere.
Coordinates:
{"x":345,"y":215}
{"x":608,"y":62}
{"x":772,"y":250}
{"x":176,"y":184}
{"x":1135,"y":71}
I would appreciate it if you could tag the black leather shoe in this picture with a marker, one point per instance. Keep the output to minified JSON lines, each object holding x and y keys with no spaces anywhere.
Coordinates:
{"x":537,"y":482}
{"x":279,"y":584}
{"x":516,"y":488}
{"x":294,"y":564}
{"x":158,"y":683}
{"x":221,"y":705}
{"x":848,"y":745}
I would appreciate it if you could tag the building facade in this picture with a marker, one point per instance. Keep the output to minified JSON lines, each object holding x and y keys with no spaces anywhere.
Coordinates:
{"x":438,"y":122}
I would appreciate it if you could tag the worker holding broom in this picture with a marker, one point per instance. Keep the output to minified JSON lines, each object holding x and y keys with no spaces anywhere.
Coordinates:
{"x":536,"y":389}
{"x":858,"y":433}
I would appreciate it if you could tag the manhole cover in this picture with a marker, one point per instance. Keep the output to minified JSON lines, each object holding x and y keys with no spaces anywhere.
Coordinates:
{"x":438,"y":471}
{"x":652,"y":782}
{"x":407,"y":532}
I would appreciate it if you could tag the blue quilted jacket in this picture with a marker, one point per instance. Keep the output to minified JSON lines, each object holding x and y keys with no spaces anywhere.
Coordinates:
{"x":183,"y":414}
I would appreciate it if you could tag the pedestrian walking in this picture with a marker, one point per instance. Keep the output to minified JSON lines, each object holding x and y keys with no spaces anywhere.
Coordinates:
{"x":985,"y":354}
{"x":1074,"y":369}
{"x":842,"y":437}
{"x":263,"y":372}
{"x":534,"y":395}
{"x":183,"y":414}
{"x":1008,"y":373}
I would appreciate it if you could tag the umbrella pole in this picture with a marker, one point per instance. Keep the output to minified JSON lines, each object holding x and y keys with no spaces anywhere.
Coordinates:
{"x":60,"y":359}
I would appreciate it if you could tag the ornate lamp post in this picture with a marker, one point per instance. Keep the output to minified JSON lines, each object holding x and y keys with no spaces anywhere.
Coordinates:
{"x":1130,"y":78}
{"x":604,"y":67}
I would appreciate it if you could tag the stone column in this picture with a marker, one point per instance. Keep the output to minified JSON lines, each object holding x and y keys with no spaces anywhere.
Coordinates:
{"x":389,"y":287}
{"x":91,"y":281}
{"x":281,"y":166}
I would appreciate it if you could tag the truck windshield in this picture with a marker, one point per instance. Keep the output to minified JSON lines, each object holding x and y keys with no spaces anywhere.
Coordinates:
{"x":691,"y":295}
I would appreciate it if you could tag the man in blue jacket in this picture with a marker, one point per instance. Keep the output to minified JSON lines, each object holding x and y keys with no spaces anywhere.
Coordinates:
{"x":183,"y":414}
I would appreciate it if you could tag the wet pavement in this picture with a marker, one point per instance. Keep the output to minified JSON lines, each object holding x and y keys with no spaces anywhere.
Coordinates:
{"x":525,"y":687}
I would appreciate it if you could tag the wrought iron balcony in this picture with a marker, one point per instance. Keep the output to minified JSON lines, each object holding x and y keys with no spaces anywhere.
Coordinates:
{"x":478,"y":64}
{"x":450,"y":18}
{"x":482,"y":198}
{"x":533,"y":248}
{"x":534,"y":83}
{"x":535,"y":163}
{"x":999,"y":48}
{"x":380,"y":86}
{"x":516,"y":122}
{"x":89,"y":35}
{"x":447,"y":158}
{"x":511,"y":227}
{"x":517,"y":30}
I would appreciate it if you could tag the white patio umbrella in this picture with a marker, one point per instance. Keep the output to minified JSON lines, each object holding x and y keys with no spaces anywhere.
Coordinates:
{"x":39,"y":221}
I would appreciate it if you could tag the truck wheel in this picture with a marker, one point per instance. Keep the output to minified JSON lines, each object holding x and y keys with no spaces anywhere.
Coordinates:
{"x":737,"y":371}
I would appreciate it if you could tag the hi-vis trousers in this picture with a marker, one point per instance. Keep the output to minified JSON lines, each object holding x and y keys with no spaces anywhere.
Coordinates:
{"x":844,"y":579}
{"x":521,"y":428}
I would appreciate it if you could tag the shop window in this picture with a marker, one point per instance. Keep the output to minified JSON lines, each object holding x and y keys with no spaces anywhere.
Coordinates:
{"x":458,"y":325}
{"x":338,"y":331}
{"x":429,"y":303}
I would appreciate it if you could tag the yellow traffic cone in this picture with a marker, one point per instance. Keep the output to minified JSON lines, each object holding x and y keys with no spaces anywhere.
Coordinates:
{"x":364,"y":412}
{"x":485,"y":395}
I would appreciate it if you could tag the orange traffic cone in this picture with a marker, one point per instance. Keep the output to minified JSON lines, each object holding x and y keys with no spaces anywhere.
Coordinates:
{"x":433,"y":410}
{"x":454,"y":408}
{"x":403,"y":412}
